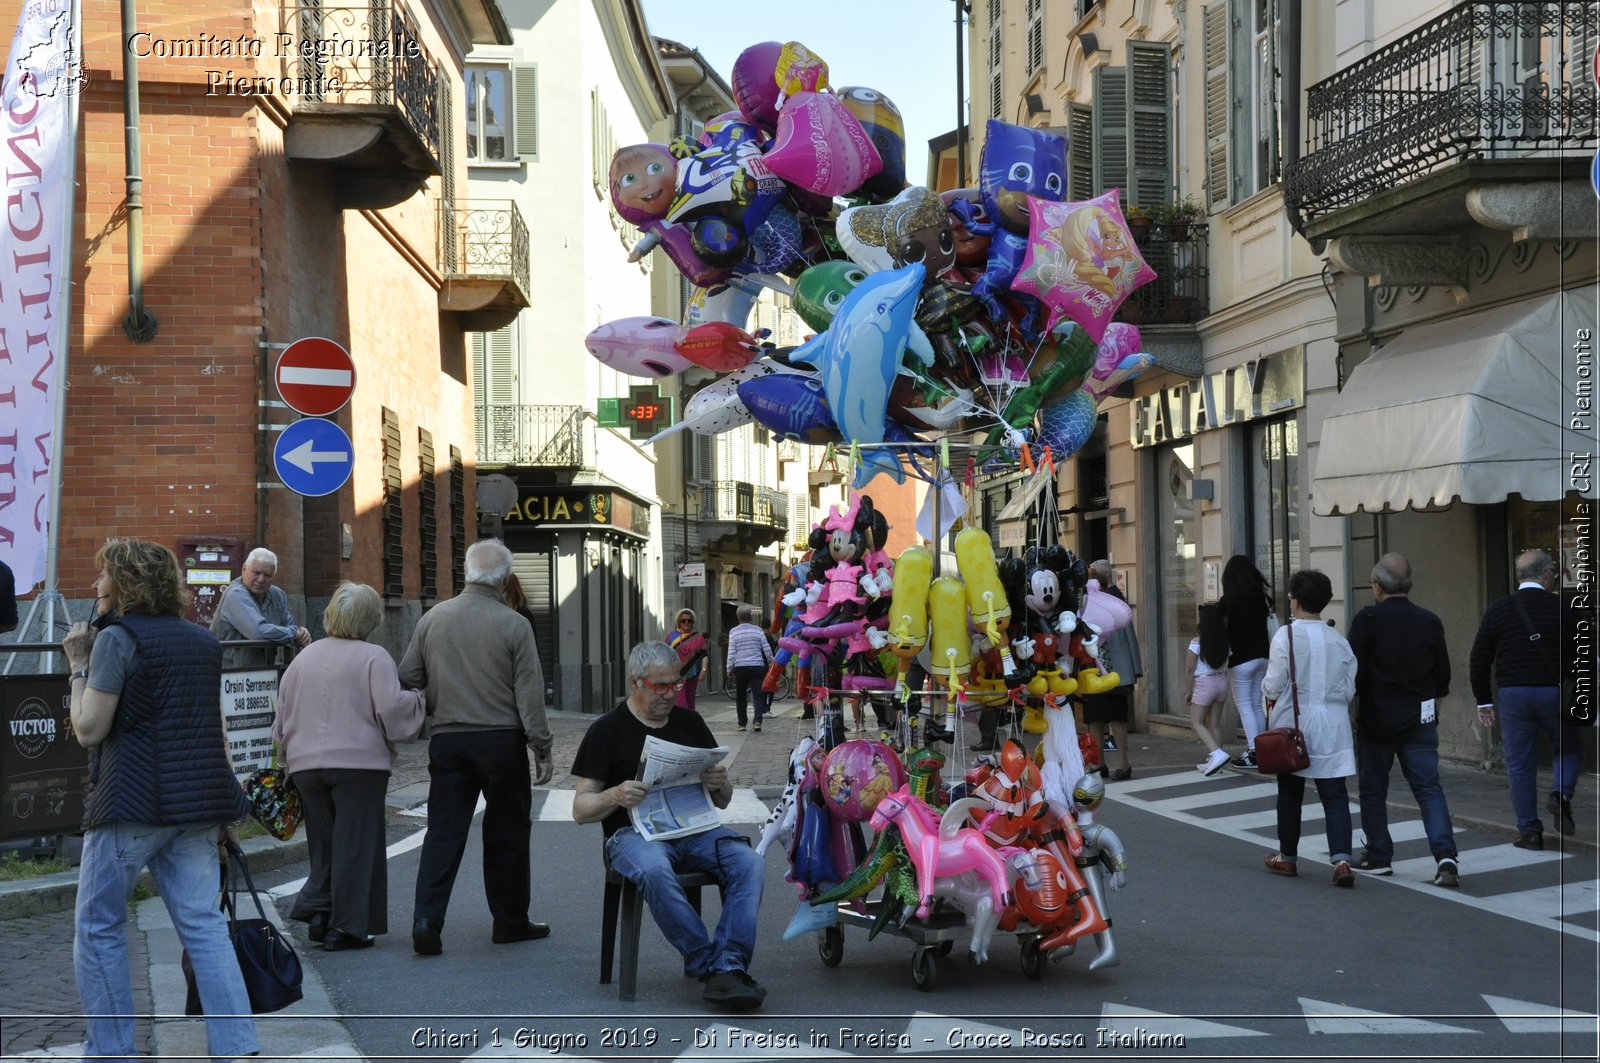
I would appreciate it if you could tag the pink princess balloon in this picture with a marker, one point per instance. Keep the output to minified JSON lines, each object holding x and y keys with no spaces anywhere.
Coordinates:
{"x":821,"y":147}
{"x":1081,"y":260}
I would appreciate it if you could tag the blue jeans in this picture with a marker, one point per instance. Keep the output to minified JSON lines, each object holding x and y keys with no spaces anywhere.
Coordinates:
{"x":183,"y":861}
{"x":653,"y":867}
{"x":1419,"y":763}
{"x":1524,"y":712}
{"x":1335,"y":815}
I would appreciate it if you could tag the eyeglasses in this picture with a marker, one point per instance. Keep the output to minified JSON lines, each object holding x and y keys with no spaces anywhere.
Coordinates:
{"x":663,"y":689}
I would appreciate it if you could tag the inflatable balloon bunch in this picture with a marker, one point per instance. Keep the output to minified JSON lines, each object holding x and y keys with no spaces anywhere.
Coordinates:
{"x":987,"y":309}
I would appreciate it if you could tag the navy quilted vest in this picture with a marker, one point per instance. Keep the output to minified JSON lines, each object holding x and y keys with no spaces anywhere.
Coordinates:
{"x":166,"y":759}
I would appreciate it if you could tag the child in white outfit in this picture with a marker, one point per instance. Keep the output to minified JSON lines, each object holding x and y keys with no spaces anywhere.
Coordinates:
{"x":1208,"y":689}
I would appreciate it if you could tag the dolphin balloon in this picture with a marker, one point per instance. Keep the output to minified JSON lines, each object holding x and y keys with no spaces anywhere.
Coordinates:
{"x":859,"y":356}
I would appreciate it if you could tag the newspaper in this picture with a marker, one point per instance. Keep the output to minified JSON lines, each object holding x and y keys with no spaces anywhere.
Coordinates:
{"x":678,"y":802}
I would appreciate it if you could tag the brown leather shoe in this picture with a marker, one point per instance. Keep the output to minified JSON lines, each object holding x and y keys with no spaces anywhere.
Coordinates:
{"x":1343,"y":877}
{"x":1279,"y":866}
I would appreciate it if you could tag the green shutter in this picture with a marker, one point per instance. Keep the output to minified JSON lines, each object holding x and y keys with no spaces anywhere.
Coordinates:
{"x":1111,"y":129}
{"x":1080,"y":152}
{"x":1218,"y":193}
{"x":525,"y":110}
{"x":1149,"y":123}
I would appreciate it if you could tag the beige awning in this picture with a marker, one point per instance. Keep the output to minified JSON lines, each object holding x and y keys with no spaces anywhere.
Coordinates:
{"x":1474,"y":409}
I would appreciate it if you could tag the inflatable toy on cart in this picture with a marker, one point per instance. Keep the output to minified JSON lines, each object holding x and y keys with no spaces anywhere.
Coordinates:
{"x":980,"y":322}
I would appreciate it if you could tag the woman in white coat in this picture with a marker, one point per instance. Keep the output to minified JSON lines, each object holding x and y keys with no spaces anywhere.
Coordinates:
{"x":1324,"y":676}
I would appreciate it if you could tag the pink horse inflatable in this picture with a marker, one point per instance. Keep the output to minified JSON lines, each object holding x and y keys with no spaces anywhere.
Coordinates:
{"x":935,"y":856}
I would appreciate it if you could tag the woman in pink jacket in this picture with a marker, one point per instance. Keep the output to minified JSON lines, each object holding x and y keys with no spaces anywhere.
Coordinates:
{"x":340,"y":712}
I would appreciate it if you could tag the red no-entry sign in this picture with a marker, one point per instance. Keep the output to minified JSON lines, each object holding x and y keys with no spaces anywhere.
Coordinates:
{"x":315,"y":376}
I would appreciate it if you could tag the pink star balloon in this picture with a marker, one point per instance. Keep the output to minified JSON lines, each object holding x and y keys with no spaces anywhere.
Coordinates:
{"x":1081,"y":260}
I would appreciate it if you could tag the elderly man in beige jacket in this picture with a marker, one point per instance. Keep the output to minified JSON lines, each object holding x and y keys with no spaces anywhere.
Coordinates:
{"x":475,"y":659}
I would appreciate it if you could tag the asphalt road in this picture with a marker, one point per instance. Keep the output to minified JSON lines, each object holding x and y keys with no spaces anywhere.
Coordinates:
{"x":1215,"y":954}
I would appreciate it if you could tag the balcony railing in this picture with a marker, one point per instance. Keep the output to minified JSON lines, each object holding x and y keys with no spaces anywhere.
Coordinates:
{"x":1181,"y":292}
{"x":744,"y":503}
{"x":1484,"y":80}
{"x":367,"y":54}
{"x":547,"y":436}
{"x":484,"y":238}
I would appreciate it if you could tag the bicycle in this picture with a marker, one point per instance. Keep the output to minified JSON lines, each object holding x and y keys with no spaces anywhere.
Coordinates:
{"x":785,"y":686}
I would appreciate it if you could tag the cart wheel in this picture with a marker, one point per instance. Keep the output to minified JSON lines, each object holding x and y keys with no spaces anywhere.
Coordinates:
{"x":1032,"y":959}
{"x":831,"y":946}
{"x":946,"y":947}
{"x":924,"y":969}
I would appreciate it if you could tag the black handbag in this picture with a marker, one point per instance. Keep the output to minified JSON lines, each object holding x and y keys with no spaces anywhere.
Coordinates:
{"x":270,"y":966}
{"x":1283,"y":749}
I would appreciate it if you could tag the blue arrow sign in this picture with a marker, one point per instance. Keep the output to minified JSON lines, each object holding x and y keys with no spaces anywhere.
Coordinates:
{"x":313,"y":457}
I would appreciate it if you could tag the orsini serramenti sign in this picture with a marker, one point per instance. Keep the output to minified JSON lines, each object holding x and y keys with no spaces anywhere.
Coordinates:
{"x":1261,"y":387}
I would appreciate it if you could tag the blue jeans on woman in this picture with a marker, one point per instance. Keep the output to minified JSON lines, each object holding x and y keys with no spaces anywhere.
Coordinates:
{"x":1524,"y":712}
{"x":183,"y":861}
{"x":1335,"y":813}
{"x":654,"y":866}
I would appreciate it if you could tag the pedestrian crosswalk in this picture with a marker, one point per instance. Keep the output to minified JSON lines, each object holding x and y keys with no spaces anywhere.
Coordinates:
{"x":1563,"y":897}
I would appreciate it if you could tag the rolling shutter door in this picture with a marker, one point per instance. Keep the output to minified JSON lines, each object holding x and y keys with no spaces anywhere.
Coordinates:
{"x":537,"y":573}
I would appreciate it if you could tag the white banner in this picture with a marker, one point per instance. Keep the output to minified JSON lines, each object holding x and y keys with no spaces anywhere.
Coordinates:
{"x":36,"y":167}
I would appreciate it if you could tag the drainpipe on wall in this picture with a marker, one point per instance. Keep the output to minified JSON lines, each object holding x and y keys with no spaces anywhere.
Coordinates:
{"x":140,"y":324}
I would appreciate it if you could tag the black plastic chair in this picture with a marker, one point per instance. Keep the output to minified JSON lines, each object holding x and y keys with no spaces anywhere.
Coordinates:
{"x":621,"y":896}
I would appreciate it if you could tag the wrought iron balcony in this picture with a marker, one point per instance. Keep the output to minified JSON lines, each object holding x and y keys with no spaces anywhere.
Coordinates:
{"x":1181,"y":292}
{"x":1485,"y":81}
{"x":365,"y":94}
{"x":530,"y":436}
{"x":483,"y":255}
{"x":735,"y":501}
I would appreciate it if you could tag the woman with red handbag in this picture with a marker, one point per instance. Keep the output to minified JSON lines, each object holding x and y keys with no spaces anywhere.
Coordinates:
{"x":1311,"y":677}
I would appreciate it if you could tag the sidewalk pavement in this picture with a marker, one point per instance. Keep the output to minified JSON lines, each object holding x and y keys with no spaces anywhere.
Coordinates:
{"x":36,"y":914}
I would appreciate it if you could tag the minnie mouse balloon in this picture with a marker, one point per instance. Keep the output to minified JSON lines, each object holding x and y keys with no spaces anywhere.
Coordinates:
{"x":821,"y":147}
{"x":1081,"y":260}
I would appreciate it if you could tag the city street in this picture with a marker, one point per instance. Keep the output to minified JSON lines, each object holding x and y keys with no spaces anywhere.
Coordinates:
{"x":1213,"y":950}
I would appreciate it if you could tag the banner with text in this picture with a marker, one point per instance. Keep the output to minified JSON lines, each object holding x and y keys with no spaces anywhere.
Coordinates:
{"x":40,"y":81}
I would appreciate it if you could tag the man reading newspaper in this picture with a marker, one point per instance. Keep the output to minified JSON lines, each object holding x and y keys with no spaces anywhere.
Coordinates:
{"x":674,"y":831}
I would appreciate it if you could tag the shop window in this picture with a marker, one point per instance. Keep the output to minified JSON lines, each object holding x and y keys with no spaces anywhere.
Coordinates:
{"x":1275,"y":503}
{"x":1178,"y":523}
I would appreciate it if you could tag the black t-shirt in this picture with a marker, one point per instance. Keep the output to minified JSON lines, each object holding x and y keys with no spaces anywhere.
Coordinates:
{"x":1247,"y":627}
{"x":614,"y":745}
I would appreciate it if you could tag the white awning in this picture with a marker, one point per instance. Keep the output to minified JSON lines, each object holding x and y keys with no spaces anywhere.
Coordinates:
{"x":1476,"y":408}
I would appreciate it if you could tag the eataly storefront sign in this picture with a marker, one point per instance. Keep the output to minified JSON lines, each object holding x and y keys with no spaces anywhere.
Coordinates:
{"x":1253,"y":390}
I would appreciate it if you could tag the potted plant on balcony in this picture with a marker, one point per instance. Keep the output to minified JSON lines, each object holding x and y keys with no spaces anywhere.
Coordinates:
{"x":1180,"y":216}
{"x":1139,"y":222}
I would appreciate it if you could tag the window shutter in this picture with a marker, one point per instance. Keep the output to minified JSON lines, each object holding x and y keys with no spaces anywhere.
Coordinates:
{"x":525,"y":110}
{"x":447,"y":142}
{"x":995,"y":100}
{"x":1035,"y":14}
{"x":1216,"y":56}
{"x":1149,"y":124}
{"x":502,"y":367}
{"x":1111,"y":129}
{"x":1081,"y":152}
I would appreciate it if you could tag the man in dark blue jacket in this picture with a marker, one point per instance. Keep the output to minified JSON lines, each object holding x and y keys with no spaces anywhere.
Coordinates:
{"x":1520,"y":637}
{"x":1402,"y":670}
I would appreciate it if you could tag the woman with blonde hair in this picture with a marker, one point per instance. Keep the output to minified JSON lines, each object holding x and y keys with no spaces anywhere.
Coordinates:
{"x":340,"y":713}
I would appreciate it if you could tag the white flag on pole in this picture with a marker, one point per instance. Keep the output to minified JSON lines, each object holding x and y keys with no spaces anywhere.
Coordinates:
{"x":36,"y":167}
